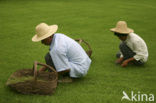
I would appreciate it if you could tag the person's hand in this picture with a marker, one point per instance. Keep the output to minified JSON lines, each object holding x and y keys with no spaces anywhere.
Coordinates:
{"x":119,"y":61}
{"x":42,"y":69}
{"x":125,"y":63}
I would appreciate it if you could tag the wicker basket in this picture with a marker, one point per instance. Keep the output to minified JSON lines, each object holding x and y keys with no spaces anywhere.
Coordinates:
{"x":89,"y":51}
{"x":43,"y":83}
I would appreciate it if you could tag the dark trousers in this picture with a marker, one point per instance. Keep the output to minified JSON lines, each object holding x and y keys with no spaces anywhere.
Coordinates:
{"x":49,"y":61}
{"x":127,"y":53}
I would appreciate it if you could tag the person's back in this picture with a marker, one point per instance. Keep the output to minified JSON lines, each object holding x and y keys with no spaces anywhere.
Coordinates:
{"x":67,"y":53}
{"x":138,"y":44}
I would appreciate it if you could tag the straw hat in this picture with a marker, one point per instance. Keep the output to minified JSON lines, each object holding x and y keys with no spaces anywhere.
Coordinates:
{"x":121,"y":27}
{"x":43,"y":31}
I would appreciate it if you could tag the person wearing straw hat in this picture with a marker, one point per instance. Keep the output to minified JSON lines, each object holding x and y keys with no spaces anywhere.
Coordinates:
{"x":65,"y":54}
{"x":133,"y":48}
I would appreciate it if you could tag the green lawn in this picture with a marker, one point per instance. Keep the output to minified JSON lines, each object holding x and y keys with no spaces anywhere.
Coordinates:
{"x":90,"y":20}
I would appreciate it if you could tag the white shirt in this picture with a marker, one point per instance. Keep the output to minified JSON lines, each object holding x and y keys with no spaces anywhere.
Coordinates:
{"x":137,"y":45}
{"x":66,"y":54}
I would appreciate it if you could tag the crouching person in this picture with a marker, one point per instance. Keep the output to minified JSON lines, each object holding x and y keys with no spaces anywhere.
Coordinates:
{"x":65,"y":54}
{"x":133,"y":48}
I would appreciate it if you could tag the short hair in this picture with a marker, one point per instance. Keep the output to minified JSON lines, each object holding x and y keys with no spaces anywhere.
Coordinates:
{"x":120,"y":34}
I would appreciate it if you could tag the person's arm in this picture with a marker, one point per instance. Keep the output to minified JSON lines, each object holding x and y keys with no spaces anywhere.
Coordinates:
{"x":63,"y":72}
{"x":125,"y":63}
{"x":43,"y":68}
{"x":119,"y":61}
{"x":60,"y":60}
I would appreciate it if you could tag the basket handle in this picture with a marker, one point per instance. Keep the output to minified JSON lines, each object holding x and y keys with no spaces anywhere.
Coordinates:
{"x":89,"y":52}
{"x":35,"y":68}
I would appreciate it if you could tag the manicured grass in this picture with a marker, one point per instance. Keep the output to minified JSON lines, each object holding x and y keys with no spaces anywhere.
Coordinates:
{"x":90,"y":20}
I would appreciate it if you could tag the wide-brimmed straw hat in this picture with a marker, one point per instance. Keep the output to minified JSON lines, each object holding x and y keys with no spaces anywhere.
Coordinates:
{"x":121,"y":27}
{"x":44,"y":31}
